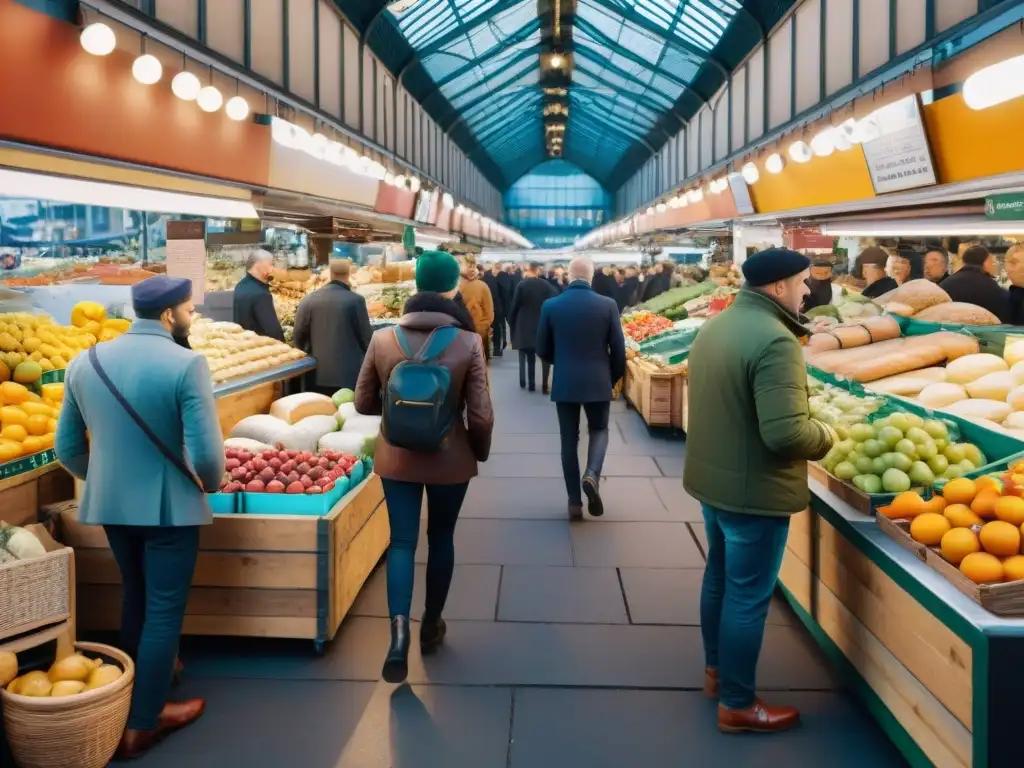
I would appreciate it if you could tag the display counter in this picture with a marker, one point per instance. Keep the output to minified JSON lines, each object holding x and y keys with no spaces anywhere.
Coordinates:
{"x":940,"y":674}
{"x":284,"y":576}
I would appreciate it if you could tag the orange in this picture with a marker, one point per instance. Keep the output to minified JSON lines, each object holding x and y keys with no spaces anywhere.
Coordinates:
{"x":962,"y":490}
{"x":12,"y":414}
{"x":982,"y":568}
{"x":1010,"y":509}
{"x":9,"y":451}
{"x":32,"y":444}
{"x":1013,"y":568}
{"x":46,"y":440}
{"x":36,"y":409}
{"x":985,"y":482}
{"x":13,"y":393}
{"x":1000,"y":538}
{"x":14,"y":432}
{"x":958,"y":543}
{"x":929,"y":528}
{"x":37,"y":425}
{"x":984,"y":504}
{"x":961,"y":516}
{"x":907,"y":505}
{"x":51,"y":426}
{"x":935,"y":504}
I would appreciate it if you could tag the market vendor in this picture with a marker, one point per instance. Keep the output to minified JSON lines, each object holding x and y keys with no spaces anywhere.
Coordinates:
{"x":253,"y":302}
{"x":975,"y":283}
{"x":873,"y":261}
{"x":820,"y":284}
{"x":140,"y":426}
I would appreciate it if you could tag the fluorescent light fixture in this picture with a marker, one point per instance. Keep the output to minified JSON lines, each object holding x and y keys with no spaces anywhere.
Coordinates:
{"x":995,"y":84}
{"x":82,"y":192}
{"x":751,"y":174}
{"x":824,"y":143}
{"x":334,"y":154}
{"x":800,"y":151}
{"x":147,"y":69}
{"x":951,"y":226}
{"x":98,"y":39}
{"x":317,"y":146}
{"x":237,"y":108}
{"x":186,"y":86}
{"x":774,"y":163}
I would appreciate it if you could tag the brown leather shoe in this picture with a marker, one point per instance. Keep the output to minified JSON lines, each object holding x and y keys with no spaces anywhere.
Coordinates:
{"x":759,"y":718}
{"x":175,"y":716}
{"x":711,"y":682}
{"x":575,"y":511}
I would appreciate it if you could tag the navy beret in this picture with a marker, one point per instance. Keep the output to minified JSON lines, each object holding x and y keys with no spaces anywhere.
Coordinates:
{"x":773,"y":265}
{"x":160,"y":292}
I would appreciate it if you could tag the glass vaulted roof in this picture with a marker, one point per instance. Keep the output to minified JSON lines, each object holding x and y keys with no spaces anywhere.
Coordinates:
{"x":632,"y":60}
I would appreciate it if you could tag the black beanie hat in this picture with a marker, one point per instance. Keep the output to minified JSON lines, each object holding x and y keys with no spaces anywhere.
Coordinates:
{"x":773,"y":265}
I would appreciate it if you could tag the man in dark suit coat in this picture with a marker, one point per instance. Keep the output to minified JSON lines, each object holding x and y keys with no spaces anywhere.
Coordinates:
{"x":581,"y":336}
{"x":498,"y":335}
{"x":524,"y":317}
{"x":253,"y":303}
{"x":332,"y":325}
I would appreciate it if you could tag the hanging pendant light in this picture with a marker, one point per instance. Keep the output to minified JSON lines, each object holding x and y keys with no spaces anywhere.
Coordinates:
{"x":147,"y":68}
{"x":98,"y":39}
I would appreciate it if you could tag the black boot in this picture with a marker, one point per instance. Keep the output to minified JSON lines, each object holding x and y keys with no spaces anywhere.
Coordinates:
{"x":396,"y":665}
{"x":432,"y":632}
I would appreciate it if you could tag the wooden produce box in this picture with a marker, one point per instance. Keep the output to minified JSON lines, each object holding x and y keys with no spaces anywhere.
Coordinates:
{"x":899,"y":531}
{"x":679,"y":412}
{"x":654,"y":396}
{"x":22,"y":495}
{"x":862,"y":502}
{"x":285,"y":576}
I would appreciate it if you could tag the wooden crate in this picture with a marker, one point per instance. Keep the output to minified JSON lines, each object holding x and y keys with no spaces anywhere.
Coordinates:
{"x":21,"y":496}
{"x":286,"y":576}
{"x":679,"y":410}
{"x":899,"y":531}
{"x":654,"y":394}
{"x":1001,"y":599}
{"x":856,"y":499}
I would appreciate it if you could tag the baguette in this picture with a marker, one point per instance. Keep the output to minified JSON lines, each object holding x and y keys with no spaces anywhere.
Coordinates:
{"x":869,"y":330}
{"x":895,"y":356}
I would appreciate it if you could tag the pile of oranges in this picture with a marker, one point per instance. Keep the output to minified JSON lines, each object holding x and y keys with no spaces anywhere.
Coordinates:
{"x":977,"y":525}
{"x":28,"y":420}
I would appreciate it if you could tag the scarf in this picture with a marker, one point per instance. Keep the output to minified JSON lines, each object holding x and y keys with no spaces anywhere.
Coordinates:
{"x":435,"y":302}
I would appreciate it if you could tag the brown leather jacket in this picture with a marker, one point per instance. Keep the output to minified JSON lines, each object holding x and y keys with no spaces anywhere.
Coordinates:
{"x":470,"y":440}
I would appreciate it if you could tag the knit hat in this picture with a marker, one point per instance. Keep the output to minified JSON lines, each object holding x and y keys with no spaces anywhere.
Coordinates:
{"x":773,"y":265}
{"x":155,"y":294}
{"x":436,"y":272}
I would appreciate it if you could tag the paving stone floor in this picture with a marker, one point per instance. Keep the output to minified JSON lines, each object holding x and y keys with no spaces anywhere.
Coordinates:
{"x":568,"y":644}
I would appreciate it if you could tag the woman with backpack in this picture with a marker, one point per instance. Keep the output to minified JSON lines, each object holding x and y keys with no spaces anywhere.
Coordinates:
{"x":427,"y":378}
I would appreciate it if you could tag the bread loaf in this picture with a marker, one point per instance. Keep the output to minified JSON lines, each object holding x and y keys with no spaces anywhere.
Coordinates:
{"x":917,"y":294}
{"x":855,"y":334}
{"x":958,"y":312}
{"x":889,"y":358}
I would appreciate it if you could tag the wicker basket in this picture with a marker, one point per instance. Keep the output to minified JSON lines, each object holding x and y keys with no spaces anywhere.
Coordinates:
{"x":34,"y":592}
{"x":81,"y":731}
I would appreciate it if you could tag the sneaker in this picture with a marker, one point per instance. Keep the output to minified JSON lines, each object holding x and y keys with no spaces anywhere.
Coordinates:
{"x":591,"y":488}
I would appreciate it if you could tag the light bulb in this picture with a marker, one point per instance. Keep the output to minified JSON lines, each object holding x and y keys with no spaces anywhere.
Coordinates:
{"x":209,"y":99}
{"x":334,"y":154}
{"x":774,"y":163}
{"x":400,"y":181}
{"x":317,"y":146}
{"x":660,"y":208}
{"x":674,"y":202}
{"x":995,"y":84}
{"x":147,"y":69}
{"x":800,"y":151}
{"x":695,"y":195}
{"x":389,"y":178}
{"x":650,"y":210}
{"x":824,"y":143}
{"x":750,"y":173}
{"x":237,"y":108}
{"x":556,"y":61}
{"x":98,"y":39}
{"x":414,"y":183}
{"x":186,"y":86}
{"x":720,"y":185}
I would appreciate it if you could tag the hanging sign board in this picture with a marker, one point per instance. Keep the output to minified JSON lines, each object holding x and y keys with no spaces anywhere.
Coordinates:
{"x":186,"y":255}
{"x":896,"y":147}
{"x":1004,"y":207}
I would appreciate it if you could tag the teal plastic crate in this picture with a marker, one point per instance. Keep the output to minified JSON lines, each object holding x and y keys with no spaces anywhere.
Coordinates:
{"x":314,"y":505}
{"x":225,"y":503}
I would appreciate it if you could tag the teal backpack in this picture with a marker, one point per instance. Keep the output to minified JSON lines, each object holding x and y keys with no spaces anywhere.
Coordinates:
{"x":419,"y":408}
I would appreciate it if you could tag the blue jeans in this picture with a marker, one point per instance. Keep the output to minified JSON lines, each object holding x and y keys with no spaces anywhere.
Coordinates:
{"x":156,"y":566}
{"x":744,"y":556}
{"x":569,"y":431}
{"x":404,"y":502}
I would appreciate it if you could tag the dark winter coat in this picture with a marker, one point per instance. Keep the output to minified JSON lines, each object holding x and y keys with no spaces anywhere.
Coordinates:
{"x":254,"y":308}
{"x":974,"y":285}
{"x":526,"y":306}
{"x":332,"y":325}
{"x":497,"y":296}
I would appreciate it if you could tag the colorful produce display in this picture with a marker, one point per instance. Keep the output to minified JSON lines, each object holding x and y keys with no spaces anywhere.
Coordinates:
{"x":233,"y":352}
{"x":975,"y":524}
{"x":28,"y":421}
{"x":105,"y":272}
{"x":388,"y":301}
{"x":642,"y":325}
{"x":670,"y":304}
{"x":279,"y":470}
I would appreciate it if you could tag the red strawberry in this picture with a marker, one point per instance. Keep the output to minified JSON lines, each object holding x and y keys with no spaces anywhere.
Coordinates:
{"x":324,"y":481}
{"x":314,"y":489}
{"x":259,"y":464}
{"x":295,"y":487}
{"x":267,"y":475}
{"x":275,"y":486}
{"x":303,"y":468}
{"x":275,"y":464}
{"x":293,"y":477}
{"x":239,"y":473}
{"x":231,"y":464}
{"x":306,"y":481}
{"x":255,"y":486}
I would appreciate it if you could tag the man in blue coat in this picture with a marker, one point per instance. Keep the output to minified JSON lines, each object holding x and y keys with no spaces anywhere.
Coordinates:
{"x":581,"y":336}
{"x":139,"y":424}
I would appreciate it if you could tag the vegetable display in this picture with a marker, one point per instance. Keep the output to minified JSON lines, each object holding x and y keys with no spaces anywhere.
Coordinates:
{"x":676,"y":297}
{"x":642,"y":325}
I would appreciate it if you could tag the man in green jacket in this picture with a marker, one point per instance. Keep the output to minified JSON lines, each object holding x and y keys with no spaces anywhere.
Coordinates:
{"x":749,"y":440}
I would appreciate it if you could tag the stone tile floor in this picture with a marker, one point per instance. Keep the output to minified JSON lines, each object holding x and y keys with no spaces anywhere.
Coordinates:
{"x":568,"y":645}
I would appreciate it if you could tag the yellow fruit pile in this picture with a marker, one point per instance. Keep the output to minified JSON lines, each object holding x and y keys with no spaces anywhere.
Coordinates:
{"x":30,"y":344}
{"x":69,"y":676}
{"x":28,"y":421}
{"x":977,"y":525}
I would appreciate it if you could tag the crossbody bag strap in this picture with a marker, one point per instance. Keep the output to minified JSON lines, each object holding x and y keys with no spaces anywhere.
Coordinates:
{"x":156,"y":441}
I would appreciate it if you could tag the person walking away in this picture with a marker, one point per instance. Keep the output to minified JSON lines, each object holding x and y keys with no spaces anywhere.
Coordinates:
{"x":139,"y":424}
{"x":333,"y":326}
{"x":477,"y":297}
{"x":253,"y":302}
{"x":936,"y":265}
{"x":748,"y":444}
{"x":975,"y":283}
{"x":507,"y":289}
{"x":819,"y":285}
{"x":415,"y":453}
{"x":524,"y":319}
{"x":580,"y":334}
{"x":872,"y":264}
{"x":491,"y":279}
{"x":629,"y":291}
